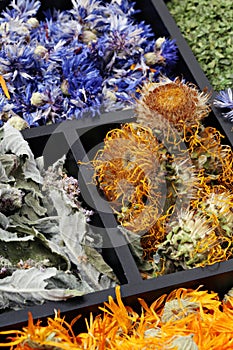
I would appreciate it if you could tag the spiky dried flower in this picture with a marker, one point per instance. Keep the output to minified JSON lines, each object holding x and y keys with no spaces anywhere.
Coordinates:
{"x":224,"y":101}
{"x":173,"y":103}
{"x":193,"y":241}
{"x":207,"y":152}
{"x":129,"y":171}
{"x":217,"y":205}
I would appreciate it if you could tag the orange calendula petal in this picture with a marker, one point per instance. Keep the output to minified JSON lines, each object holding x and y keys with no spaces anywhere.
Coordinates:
{"x":4,"y":87}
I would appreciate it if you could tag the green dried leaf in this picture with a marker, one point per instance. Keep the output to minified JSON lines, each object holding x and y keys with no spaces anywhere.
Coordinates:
{"x":97,"y":260}
{"x":207,"y":27}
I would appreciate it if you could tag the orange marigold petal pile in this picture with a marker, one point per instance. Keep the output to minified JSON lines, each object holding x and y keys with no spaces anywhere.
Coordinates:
{"x":184,"y":319}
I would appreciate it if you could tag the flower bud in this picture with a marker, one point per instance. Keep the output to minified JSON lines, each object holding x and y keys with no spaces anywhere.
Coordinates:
{"x":159,"y":42}
{"x":38,"y":99}
{"x":88,"y":36}
{"x":40,"y":51}
{"x":33,"y":22}
{"x":18,"y":123}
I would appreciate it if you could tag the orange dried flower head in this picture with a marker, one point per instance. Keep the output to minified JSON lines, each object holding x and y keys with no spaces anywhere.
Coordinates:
{"x":129,"y":172}
{"x":172,"y":103}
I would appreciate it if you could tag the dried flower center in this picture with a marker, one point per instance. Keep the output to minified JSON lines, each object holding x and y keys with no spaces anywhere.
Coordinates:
{"x":174,"y":101}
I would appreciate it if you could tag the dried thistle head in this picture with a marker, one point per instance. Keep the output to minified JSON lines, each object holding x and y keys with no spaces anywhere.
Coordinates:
{"x":183,"y":179}
{"x":129,"y":171}
{"x":218,"y":206}
{"x":208,"y":153}
{"x":172,"y":103}
{"x":188,"y":244}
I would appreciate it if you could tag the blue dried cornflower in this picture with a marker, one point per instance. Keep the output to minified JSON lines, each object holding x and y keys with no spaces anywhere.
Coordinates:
{"x":162,"y":52}
{"x":123,"y":7}
{"x":224,"y":100}
{"x":169,"y":52}
{"x":87,"y":11}
{"x":18,"y":65}
{"x":77,"y":60}
{"x":47,"y":33}
{"x":124,"y":38}
{"x":83,"y":82}
{"x":5,"y":109}
{"x":21,"y":10}
{"x":49,"y":102}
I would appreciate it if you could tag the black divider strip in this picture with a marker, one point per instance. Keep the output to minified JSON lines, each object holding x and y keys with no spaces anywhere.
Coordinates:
{"x":217,"y":278}
{"x":85,"y":122}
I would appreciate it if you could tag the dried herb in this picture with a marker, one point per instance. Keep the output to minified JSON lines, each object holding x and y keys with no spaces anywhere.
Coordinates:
{"x":75,"y":63}
{"x":43,"y":230}
{"x":169,"y":180}
{"x":207,"y":27}
{"x":185,"y":319}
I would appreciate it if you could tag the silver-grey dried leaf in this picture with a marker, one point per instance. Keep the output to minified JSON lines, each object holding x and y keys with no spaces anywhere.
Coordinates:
{"x":13,"y":142}
{"x":73,"y":228}
{"x":29,"y":286}
{"x":32,"y":201}
{"x":3,"y":175}
{"x":4,"y":222}
{"x":7,"y":236}
{"x":96,"y":259}
{"x":10,"y":163}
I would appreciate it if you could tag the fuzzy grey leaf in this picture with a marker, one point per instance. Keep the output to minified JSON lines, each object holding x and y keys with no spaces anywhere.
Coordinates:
{"x":96,"y":259}
{"x":29,"y":285}
{"x":73,"y":229}
{"x":67,"y":280}
{"x":33,"y":202}
{"x":72,"y":225}
{"x":9,"y":163}
{"x":14,"y":142}
{"x":4,"y":222}
{"x":7,"y":236}
{"x":3,"y":176}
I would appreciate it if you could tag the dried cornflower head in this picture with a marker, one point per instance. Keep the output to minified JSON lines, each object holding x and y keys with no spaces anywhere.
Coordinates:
{"x":224,"y":101}
{"x":173,"y":103}
{"x":129,"y":171}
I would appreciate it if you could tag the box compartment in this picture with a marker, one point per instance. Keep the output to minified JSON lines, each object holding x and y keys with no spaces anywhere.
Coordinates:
{"x":78,"y":140}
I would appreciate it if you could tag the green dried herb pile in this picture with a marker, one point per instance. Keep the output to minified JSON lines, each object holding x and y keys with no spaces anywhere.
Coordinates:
{"x":207,"y":27}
